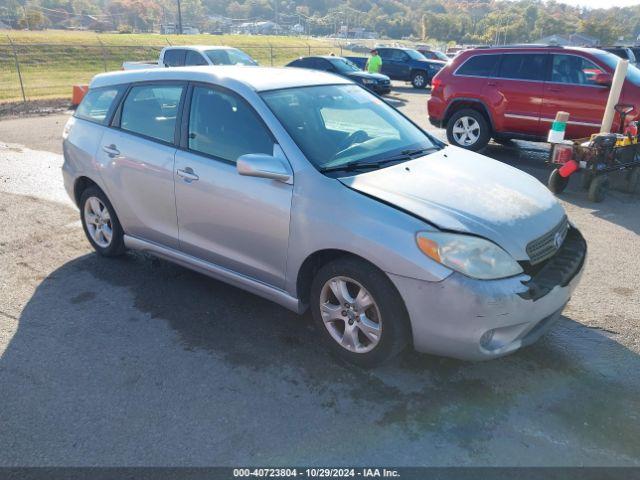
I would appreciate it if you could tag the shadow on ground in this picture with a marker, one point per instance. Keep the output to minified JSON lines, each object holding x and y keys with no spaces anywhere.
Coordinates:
{"x":138,"y":361}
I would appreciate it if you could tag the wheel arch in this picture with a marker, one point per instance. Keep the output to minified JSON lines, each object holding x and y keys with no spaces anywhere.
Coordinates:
{"x":471,"y":103}
{"x":314,"y":262}
{"x":80,"y":185}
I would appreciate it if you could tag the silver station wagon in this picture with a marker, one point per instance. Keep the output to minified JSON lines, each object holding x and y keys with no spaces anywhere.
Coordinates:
{"x":308,"y":190}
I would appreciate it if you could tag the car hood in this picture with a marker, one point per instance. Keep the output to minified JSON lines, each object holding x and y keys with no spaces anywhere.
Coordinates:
{"x":374,"y":76}
{"x":435,"y":63}
{"x":458,"y":190}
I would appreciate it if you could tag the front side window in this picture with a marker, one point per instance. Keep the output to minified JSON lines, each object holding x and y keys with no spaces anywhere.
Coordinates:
{"x":195,"y":58}
{"x":574,"y":70}
{"x":151,"y":110}
{"x":523,"y":66}
{"x":174,"y":57}
{"x":398,"y":56}
{"x":336,"y":125}
{"x":97,"y":104}
{"x":479,"y":66}
{"x":225,"y":126}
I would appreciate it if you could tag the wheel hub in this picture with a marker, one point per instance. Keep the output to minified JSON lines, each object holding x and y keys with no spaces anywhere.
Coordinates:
{"x":355,"y":324}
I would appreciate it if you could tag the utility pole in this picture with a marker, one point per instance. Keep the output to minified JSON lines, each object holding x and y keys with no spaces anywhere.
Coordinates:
{"x":179,"y":18}
{"x":26,"y":17}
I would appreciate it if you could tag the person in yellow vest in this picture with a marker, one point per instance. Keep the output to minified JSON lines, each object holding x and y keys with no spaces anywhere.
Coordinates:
{"x":374,"y":63}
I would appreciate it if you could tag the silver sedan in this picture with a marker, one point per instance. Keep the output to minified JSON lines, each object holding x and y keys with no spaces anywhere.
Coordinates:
{"x":308,"y":190}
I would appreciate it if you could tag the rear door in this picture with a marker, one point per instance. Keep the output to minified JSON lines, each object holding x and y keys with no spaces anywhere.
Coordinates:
{"x":518,"y":90}
{"x":138,"y":159}
{"x":570,"y":88}
{"x":238,"y":222}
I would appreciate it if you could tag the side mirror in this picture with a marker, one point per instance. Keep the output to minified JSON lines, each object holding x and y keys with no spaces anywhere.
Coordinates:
{"x":263,"y":165}
{"x":603,"y":79}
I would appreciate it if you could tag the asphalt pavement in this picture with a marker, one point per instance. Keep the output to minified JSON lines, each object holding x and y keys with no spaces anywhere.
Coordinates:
{"x":136,"y":361}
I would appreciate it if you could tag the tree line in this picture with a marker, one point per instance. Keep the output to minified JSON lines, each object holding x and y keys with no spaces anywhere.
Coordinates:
{"x":461,"y":22}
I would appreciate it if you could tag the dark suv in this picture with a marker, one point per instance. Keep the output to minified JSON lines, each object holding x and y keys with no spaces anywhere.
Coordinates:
{"x":405,"y":64}
{"x":515,"y":92}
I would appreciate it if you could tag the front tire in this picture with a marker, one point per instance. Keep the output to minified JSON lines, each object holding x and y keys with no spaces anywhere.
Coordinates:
{"x":419,"y":79}
{"x":100,"y":223}
{"x":557,"y":183}
{"x":359,"y":312}
{"x":468,"y":129}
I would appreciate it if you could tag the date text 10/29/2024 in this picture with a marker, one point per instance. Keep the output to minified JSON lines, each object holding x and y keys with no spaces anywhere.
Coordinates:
{"x":315,"y":473}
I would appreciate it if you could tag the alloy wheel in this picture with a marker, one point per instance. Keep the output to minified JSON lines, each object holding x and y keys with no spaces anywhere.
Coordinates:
{"x":98,"y":222}
{"x":419,"y":81}
{"x":466,"y":131}
{"x":350,"y":314}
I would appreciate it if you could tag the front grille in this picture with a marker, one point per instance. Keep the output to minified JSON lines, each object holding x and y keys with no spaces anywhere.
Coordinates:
{"x":560,"y":269}
{"x":547,"y":245}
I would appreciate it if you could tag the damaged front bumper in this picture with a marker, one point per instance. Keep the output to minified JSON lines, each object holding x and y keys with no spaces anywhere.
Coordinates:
{"x":471,"y":319}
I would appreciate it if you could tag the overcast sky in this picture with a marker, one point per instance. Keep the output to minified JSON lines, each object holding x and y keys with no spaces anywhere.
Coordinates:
{"x":601,"y":3}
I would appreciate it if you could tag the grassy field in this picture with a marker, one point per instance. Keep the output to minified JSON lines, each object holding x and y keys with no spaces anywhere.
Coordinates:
{"x":53,"y":60}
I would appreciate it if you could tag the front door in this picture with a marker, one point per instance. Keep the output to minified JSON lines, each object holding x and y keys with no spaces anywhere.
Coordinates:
{"x":139,"y":161}
{"x":237,"y":222}
{"x":395,"y":64}
{"x":571,"y":88}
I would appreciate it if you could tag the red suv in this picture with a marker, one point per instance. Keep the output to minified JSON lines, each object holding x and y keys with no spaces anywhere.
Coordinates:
{"x":514,"y":93}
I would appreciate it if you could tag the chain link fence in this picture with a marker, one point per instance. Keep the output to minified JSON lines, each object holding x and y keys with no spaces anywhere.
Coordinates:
{"x":36,"y":71}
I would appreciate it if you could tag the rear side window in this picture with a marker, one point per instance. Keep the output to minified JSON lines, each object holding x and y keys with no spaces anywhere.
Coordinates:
{"x":174,"y":57}
{"x":479,"y":66}
{"x":194,"y":58}
{"x":530,"y":66}
{"x":97,"y":105}
{"x":151,"y":110}
{"x":225,"y":126}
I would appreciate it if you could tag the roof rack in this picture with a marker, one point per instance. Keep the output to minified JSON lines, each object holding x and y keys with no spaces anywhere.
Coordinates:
{"x":523,"y":45}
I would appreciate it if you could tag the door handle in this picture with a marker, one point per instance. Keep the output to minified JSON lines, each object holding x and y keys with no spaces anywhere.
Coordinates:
{"x":188,"y":174}
{"x":111,"y":150}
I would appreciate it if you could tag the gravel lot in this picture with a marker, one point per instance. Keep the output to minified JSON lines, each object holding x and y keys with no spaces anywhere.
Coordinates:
{"x":136,"y":361}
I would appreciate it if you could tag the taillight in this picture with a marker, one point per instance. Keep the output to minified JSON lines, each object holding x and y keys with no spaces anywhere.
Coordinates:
{"x":435,"y":83}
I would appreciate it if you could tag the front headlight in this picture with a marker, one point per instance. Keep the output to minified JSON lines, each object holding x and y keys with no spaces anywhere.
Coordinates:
{"x":472,"y":256}
{"x":368,"y":81}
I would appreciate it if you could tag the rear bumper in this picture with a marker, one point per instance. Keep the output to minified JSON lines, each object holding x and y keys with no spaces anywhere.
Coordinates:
{"x":473,"y":319}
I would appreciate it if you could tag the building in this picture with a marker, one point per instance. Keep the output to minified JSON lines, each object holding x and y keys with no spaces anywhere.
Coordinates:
{"x":573,"y":39}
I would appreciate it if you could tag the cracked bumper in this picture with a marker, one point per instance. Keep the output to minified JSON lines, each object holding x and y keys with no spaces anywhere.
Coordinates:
{"x":470,"y":319}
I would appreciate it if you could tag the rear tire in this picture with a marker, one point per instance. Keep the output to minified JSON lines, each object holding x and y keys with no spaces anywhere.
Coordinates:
{"x":557,"y":183}
{"x":100,"y":223}
{"x":468,"y":129}
{"x":366,"y":322}
{"x":598,"y":188}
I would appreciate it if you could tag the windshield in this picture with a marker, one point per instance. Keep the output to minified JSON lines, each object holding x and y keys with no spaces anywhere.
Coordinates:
{"x":611,"y":60}
{"x":414,"y":54}
{"x":336,"y":125}
{"x":441,"y":56}
{"x":229,"y":56}
{"x":343,"y":65}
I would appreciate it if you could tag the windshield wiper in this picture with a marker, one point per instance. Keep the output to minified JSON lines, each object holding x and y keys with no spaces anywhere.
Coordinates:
{"x":356,"y":165}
